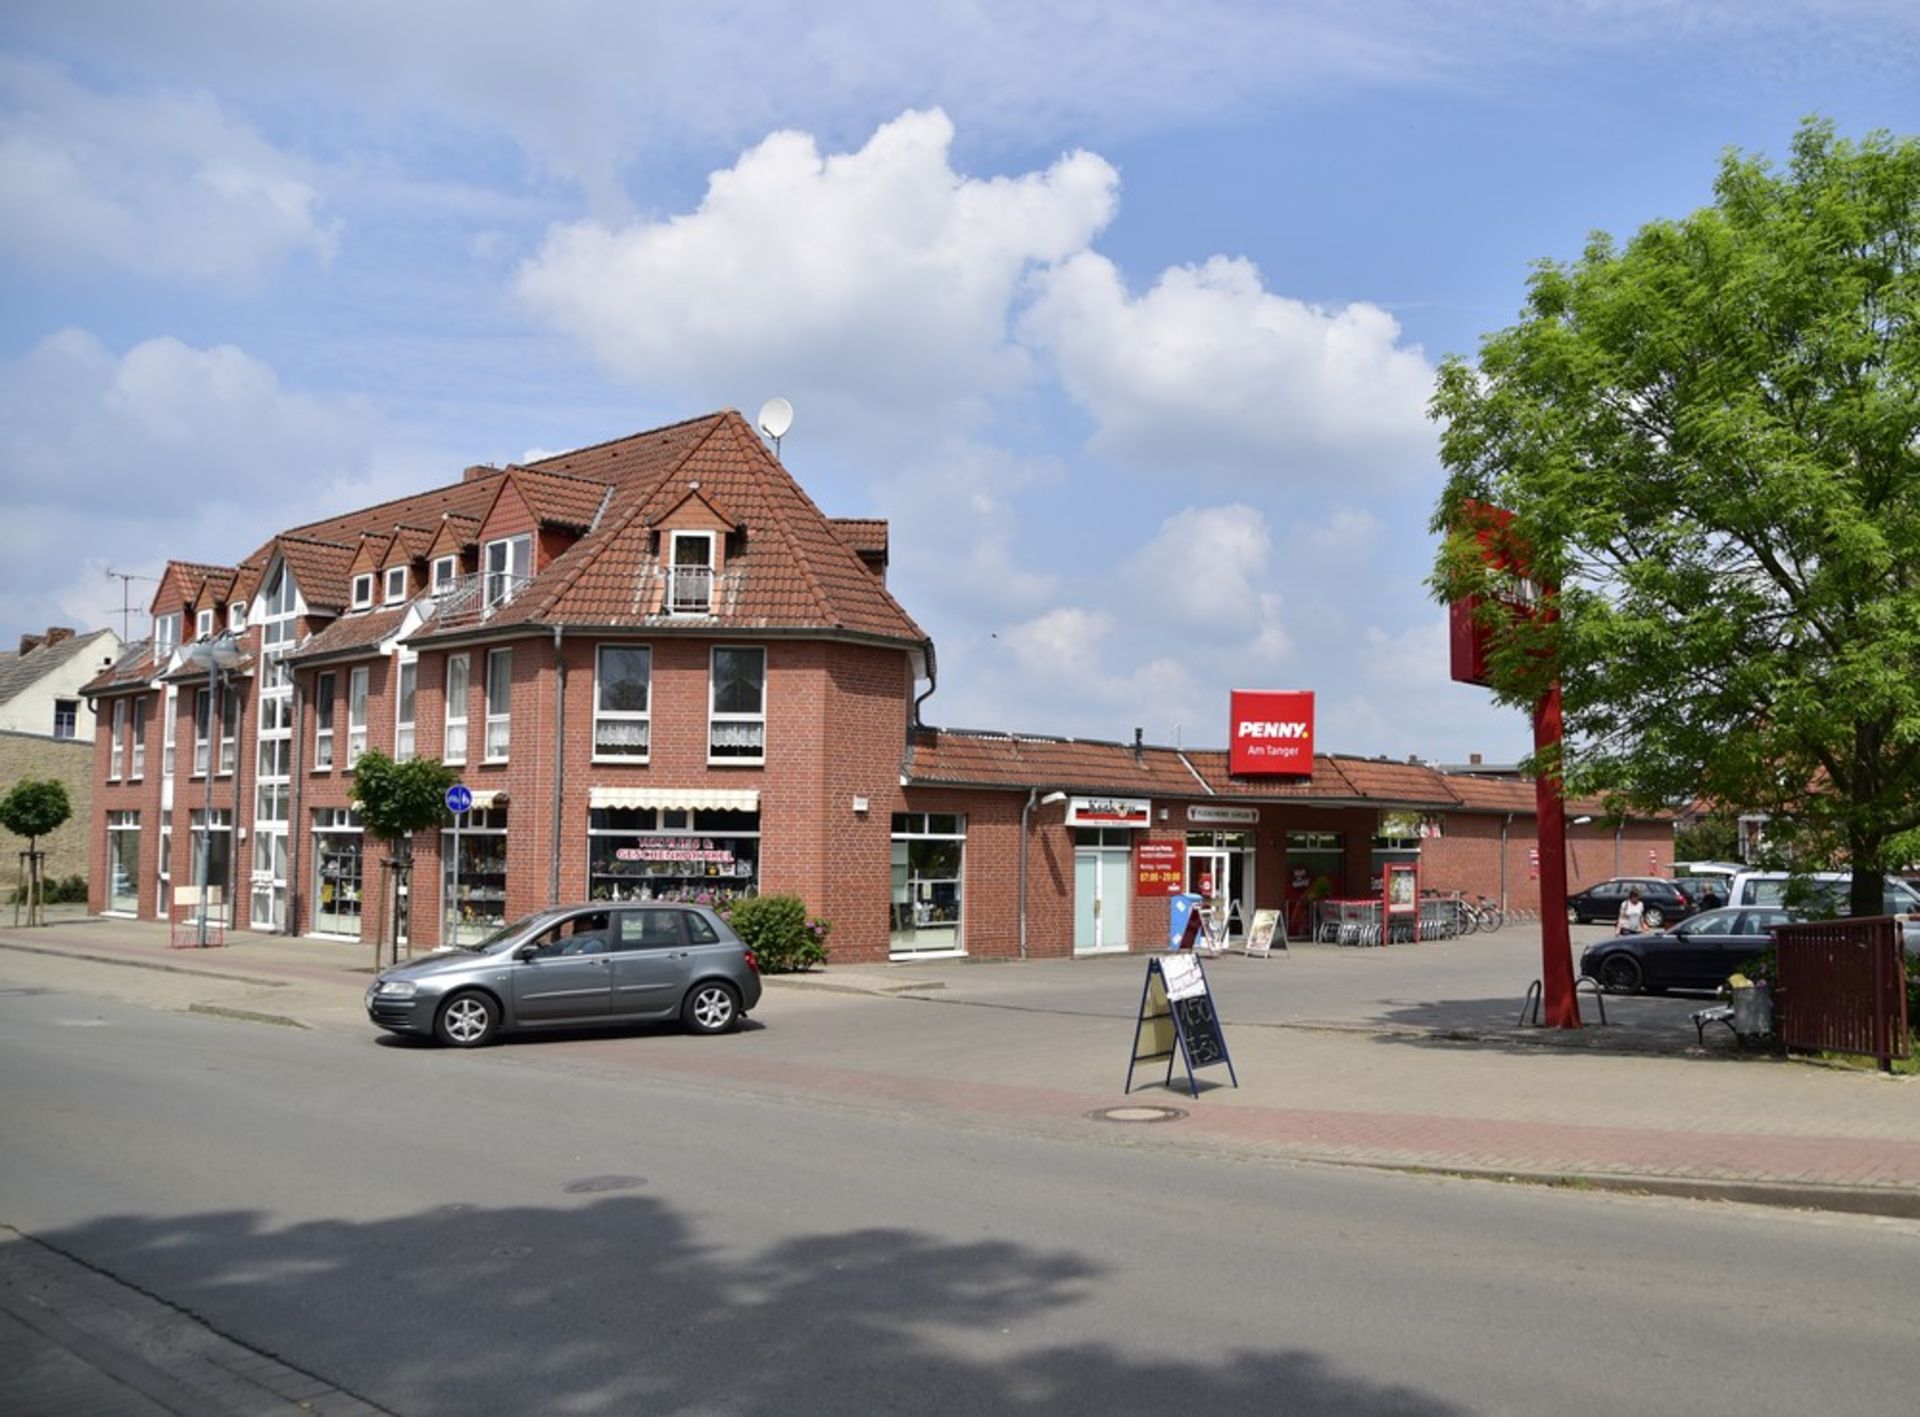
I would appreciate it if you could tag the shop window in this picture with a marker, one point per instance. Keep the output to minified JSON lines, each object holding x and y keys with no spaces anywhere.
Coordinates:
{"x":474,"y":895}
{"x":737,"y":710}
{"x":499,"y":704}
{"x":356,"y":716}
{"x":123,"y":863}
{"x":213,"y":860}
{"x":403,"y":709}
{"x":690,"y":577}
{"x":622,"y":683}
{"x":323,"y":723}
{"x":454,"y":749}
{"x":66,"y":718}
{"x":929,"y":851}
{"x":509,"y":564}
{"x":363,"y":590}
{"x":707,"y":858}
{"x":338,"y":872}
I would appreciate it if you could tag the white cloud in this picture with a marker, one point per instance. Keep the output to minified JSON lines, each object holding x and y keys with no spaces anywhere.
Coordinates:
{"x":1211,"y":371}
{"x":876,"y":282}
{"x":1207,"y":573}
{"x":165,"y":184}
{"x":165,"y":451}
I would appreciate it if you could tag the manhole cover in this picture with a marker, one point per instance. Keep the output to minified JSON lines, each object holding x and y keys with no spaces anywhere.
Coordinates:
{"x":593,"y":1184}
{"x":1137,"y":1114}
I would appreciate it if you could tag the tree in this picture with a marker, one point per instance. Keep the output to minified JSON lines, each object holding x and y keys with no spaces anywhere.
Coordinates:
{"x":396,"y":800}
{"x":1710,"y":442}
{"x":33,"y":808}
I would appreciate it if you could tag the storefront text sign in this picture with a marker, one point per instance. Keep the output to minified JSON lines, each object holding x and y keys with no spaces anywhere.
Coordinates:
{"x":677,"y":848}
{"x":1109,"y":812}
{"x":1272,"y":733}
{"x":1160,"y":868}
{"x":1224,"y":816}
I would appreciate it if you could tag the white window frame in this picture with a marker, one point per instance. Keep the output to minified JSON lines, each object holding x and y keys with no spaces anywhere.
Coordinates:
{"x":237,"y":616}
{"x":118,"y":741}
{"x":325,"y":687}
{"x":169,"y":729}
{"x":229,"y":730}
{"x":357,"y":683}
{"x":446,"y":570}
{"x":203,"y":623}
{"x":682,"y":600}
{"x":70,"y":716}
{"x":137,"y":736}
{"x":396,"y":593}
{"x":202,"y":731}
{"x":622,"y":717}
{"x":363,"y":591}
{"x":406,"y":685}
{"x":503,"y":581}
{"x":166,"y":633}
{"x":717,"y":720}
{"x":458,"y":705}
{"x":499,"y":716}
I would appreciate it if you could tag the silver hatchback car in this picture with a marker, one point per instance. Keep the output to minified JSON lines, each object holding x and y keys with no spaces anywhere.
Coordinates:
{"x":574,"y":965}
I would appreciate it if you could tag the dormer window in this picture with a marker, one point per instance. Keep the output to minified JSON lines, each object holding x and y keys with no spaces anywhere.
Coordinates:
{"x":203,"y":623}
{"x":509,"y":566}
{"x":446,"y":570}
{"x":363,"y":590}
{"x":396,"y":584}
{"x":237,"y":616}
{"x":166,"y":633}
{"x":690,"y":575}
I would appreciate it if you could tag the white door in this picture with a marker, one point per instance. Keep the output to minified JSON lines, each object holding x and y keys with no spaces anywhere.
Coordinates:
{"x":1101,"y":898}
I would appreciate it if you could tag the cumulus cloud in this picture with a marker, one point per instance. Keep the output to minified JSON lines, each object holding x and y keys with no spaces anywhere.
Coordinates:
{"x":879,"y":280}
{"x":164,"y":184}
{"x":1209,"y":572}
{"x":1211,"y":371}
{"x":165,"y":450}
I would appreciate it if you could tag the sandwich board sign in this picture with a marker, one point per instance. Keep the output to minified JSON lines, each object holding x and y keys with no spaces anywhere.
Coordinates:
{"x":1177,"y":1021}
{"x":1265,"y":933}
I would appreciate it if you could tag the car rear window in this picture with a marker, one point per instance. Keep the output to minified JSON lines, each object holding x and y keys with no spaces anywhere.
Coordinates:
{"x":698,"y":930}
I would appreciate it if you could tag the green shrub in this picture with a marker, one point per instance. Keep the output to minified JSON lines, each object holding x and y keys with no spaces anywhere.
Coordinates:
{"x":54,"y":890}
{"x":779,"y":932}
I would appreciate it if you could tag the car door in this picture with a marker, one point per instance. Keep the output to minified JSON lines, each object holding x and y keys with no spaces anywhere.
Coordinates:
{"x":565,"y":976}
{"x":651,"y":966}
{"x":1707,"y":943}
{"x":1601,"y":902}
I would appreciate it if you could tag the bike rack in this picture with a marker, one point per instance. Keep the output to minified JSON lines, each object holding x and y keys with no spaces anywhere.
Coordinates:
{"x":1536,"y":996}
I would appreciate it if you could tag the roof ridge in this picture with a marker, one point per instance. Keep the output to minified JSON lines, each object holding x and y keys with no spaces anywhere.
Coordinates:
{"x":539,"y":471}
{"x":629,"y":437}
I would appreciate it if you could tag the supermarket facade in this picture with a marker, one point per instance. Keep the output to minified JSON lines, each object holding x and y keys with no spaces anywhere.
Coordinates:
{"x":662,"y":671}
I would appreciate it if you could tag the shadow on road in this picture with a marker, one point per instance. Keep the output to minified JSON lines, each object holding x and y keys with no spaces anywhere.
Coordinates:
{"x":1639,"y":1024}
{"x":615,"y":1305}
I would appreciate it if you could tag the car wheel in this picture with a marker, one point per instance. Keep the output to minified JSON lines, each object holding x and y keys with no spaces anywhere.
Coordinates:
{"x":712,"y":1007}
{"x":1620,"y":974}
{"x":467,"y":1020}
{"x":1653,"y":917}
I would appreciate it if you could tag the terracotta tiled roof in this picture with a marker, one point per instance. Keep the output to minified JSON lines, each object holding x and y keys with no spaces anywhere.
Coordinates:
{"x":351,"y":636}
{"x":180,"y":585}
{"x":866,"y":535}
{"x":560,"y":499}
{"x":469,"y":499}
{"x":963,"y":758}
{"x":790,"y":571}
{"x":133,"y":669}
{"x":320,"y":569}
{"x":640,"y":459}
{"x":247,"y":581}
{"x":412,"y":541}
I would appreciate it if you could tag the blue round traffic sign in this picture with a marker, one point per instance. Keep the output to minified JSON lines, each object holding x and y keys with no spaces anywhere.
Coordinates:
{"x":459,"y":798}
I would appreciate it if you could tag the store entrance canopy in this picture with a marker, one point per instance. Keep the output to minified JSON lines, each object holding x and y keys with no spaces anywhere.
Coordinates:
{"x":678,"y":799}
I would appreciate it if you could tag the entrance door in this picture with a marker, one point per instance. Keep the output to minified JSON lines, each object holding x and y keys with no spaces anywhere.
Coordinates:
{"x":1102,"y":893}
{"x":1219,"y":873}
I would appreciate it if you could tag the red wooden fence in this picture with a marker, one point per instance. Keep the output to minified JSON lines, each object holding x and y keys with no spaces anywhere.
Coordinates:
{"x":1843,"y":988}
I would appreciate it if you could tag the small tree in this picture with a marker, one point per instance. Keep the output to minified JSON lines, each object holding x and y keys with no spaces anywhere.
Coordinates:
{"x":33,"y":809}
{"x":396,"y":800}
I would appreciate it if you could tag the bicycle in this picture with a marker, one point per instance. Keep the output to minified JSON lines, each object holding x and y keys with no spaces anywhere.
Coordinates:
{"x":1487,"y":915}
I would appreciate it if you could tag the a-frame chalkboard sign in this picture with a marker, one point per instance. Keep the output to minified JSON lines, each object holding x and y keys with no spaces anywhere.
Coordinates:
{"x":1177,"y":1020}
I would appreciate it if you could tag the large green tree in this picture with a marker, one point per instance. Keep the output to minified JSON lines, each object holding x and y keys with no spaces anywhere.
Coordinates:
{"x":397,"y":799}
{"x":1710,"y":441}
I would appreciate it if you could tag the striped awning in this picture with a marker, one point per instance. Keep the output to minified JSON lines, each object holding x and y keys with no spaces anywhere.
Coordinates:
{"x":683,"y":799}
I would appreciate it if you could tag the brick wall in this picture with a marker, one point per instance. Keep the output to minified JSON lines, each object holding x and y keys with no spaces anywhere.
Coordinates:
{"x":69,"y":850}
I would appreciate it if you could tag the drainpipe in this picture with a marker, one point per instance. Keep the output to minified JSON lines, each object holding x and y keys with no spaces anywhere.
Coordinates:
{"x":559,"y":759}
{"x":1033,"y":796}
{"x":1504,"y":827}
{"x":293,"y":811}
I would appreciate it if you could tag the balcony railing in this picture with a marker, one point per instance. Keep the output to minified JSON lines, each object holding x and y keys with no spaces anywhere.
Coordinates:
{"x":687,"y":591}
{"x":467,"y":600}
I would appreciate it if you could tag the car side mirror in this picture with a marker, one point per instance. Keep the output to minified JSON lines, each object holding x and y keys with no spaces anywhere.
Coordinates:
{"x":526,"y":952}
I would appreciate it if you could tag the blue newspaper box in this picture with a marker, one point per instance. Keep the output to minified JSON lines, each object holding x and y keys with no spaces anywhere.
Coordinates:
{"x":1182,"y":906}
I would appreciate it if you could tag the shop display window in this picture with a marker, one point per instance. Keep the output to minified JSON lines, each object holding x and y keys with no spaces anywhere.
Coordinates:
{"x":474,"y":891}
{"x":338,"y":872}
{"x":645,"y":853}
{"x":123,"y":862}
{"x":929,"y":853}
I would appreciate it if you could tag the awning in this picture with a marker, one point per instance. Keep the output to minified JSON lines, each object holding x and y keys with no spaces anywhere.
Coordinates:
{"x":484,"y":800}
{"x":680,"y":799}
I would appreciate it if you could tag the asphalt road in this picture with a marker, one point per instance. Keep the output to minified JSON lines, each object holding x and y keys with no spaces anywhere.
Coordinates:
{"x":586,"y":1226}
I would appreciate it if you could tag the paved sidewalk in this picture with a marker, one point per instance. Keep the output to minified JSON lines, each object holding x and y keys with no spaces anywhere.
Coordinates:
{"x":1371,"y":1088}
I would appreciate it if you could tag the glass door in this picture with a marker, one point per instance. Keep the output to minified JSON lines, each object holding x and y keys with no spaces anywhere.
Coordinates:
{"x":1102,"y":890}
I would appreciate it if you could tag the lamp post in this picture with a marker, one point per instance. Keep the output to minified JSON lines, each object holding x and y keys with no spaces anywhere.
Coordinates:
{"x":218,"y":654}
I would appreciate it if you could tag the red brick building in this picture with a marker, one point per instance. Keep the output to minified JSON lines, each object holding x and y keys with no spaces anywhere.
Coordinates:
{"x":662,"y":670}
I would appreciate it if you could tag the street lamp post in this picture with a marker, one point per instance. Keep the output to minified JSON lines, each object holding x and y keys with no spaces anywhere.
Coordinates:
{"x":216,"y":654}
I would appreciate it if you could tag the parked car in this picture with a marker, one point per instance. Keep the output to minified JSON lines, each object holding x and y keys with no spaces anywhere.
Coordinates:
{"x":1706,"y":892}
{"x":1698,"y":953}
{"x":571,"y":966}
{"x":1665,"y":902}
{"x":1817,"y":894}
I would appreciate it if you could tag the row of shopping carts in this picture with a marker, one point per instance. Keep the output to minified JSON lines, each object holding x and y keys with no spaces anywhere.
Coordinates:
{"x":1435,"y":917}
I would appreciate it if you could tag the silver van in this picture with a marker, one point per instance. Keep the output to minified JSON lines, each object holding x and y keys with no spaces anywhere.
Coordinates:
{"x":1827,"y":893}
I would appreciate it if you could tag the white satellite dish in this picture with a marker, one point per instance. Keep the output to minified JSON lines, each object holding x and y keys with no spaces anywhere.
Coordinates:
{"x":776,"y":417}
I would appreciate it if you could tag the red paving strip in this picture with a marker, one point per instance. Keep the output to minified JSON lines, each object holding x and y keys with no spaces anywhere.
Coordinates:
{"x":1399,"y":1138}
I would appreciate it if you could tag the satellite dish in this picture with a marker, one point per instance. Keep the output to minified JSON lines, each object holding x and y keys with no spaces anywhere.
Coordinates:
{"x":776,"y":417}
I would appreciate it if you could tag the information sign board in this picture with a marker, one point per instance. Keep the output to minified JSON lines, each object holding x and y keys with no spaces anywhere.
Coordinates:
{"x":459,"y":798}
{"x":1176,"y":994}
{"x":1265,"y":932}
{"x":1160,"y":868}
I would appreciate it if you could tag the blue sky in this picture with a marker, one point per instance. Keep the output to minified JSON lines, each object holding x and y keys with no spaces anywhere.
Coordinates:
{"x":1125,"y":316}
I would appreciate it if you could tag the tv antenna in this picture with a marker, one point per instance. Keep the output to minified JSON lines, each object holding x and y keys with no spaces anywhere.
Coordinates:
{"x":126,"y":609}
{"x":776,"y":417}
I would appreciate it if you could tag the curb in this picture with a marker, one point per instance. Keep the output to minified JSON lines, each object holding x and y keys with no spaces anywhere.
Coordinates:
{"x":145,"y":964}
{"x":245,"y":1015}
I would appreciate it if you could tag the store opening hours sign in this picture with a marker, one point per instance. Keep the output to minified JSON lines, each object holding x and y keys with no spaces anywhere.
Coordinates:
{"x":1160,"y":868}
{"x":1272,"y":733}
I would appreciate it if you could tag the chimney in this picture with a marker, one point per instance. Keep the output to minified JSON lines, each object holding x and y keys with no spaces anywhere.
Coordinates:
{"x":57,"y":633}
{"x":1139,"y":745}
{"x":478,"y":471}
{"x":29,"y":643}
{"x":1473,"y":760}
